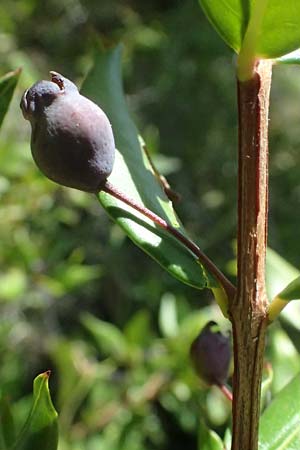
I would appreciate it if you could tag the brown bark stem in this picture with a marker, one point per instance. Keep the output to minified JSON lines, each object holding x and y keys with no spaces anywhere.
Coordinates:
{"x":248,"y":311}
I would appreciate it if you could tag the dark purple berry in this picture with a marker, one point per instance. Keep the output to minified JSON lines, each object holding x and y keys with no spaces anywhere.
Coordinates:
{"x":211,"y":353}
{"x":72,"y":141}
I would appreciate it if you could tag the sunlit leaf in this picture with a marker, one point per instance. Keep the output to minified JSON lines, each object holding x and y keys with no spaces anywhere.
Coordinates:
{"x":292,"y":291}
{"x":7,"y":86}
{"x":168,"y":322}
{"x":133,"y":175}
{"x":279,"y":274}
{"x":279,"y":30}
{"x":280,"y":423}
{"x":229,"y":18}
{"x":40,"y":430}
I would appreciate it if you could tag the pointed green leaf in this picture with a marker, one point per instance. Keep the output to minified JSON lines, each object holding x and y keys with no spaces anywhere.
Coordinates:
{"x":7,"y":86}
{"x":208,"y":439}
{"x":292,"y":291}
{"x":40,"y":430}
{"x":7,"y":426}
{"x":229,"y":18}
{"x":279,"y":28}
{"x":279,"y":274}
{"x":280,"y":423}
{"x":133,"y":175}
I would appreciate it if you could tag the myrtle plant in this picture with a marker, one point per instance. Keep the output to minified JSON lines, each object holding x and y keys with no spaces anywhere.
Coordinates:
{"x":87,"y":140}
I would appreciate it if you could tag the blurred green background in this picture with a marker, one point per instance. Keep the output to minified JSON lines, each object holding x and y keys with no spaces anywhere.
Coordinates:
{"x":76,"y":296}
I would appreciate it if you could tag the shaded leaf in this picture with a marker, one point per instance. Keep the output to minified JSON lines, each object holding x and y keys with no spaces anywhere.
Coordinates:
{"x":279,"y":31}
{"x":7,"y":86}
{"x":7,"y":427}
{"x":138,"y":330}
{"x":133,"y":175}
{"x":40,"y":430}
{"x":109,"y":339}
{"x":280,"y":423}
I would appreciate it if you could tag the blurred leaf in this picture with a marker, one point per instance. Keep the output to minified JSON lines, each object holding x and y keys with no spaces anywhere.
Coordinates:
{"x":284,"y":356}
{"x":292,"y":291}
{"x":138,"y":329}
{"x":12,"y":284}
{"x":208,"y":439}
{"x":41,"y":429}
{"x":109,"y":339}
{"x":280,"y":423}
{"x":279,"y":30}
{"x":7,"y":427}
{"x":168,"y":315}
{"x":7,"y":86}
{"x":76,"y":374}
{"x":74,"y":275}
{"x":133,"y":175}
{"x":266,"y":385}
{"x":227,"y":439}
{"x":279,"y":273}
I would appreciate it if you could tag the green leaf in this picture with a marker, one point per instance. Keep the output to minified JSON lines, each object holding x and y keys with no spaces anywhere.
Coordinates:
{"x":292,"y":291}
{"x":280,"y":30}
{"x":109,"y":339}
{"x":227,"y":439}
{"x":279,"y":27}
{"x":7,"y":86}
{"x":229,"y":18}
{"x":134,"y":176}
{"x":7,"y":427}
{"x":40,"y":430}
{"x":284,"y":356}
{"x":168,"y":321}
{"x":279,"y":273}
{"x":280,"y":423}
{"x":208,"y":439}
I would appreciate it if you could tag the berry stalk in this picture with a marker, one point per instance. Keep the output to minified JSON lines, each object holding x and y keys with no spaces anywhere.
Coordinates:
{"x":202,"y":257}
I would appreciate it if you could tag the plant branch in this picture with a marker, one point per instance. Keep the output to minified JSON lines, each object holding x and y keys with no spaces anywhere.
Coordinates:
{"x":202,"y":257}
{"x":248,"y":310}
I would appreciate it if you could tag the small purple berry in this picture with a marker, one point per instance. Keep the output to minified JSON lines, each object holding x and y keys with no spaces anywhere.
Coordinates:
{"x":72,"y":141}
{"x":211,"y":353}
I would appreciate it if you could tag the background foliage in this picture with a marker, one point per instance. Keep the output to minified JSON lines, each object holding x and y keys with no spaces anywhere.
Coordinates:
{"x":75,"y":295}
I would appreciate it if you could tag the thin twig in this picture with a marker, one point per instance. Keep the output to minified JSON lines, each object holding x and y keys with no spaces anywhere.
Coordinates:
{"x":204,"y":259}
